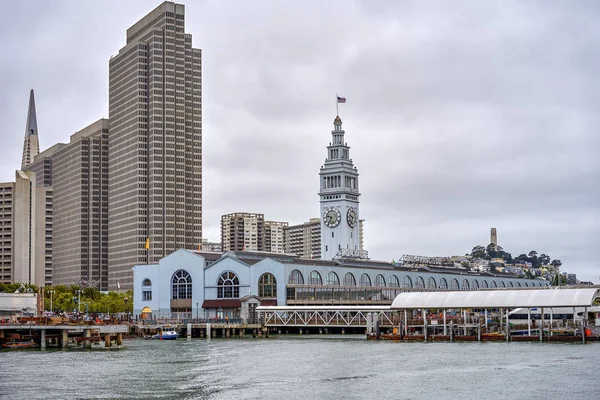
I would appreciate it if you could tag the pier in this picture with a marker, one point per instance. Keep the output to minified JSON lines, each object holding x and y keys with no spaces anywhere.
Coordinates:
{"x":44,"y":332}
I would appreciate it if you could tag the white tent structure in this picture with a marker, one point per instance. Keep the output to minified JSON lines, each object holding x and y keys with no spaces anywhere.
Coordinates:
{"x":496,"y":299}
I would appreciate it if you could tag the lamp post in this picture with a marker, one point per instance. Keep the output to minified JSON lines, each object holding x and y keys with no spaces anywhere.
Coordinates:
{"x":51,"y":293}
{"x":79,"y":301}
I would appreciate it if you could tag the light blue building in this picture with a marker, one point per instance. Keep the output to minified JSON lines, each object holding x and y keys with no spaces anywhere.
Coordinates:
{"x":190,"y":284}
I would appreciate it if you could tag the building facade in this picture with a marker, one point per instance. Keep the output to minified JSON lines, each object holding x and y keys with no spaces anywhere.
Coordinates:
{"x":304,"y":240}
{"x":7,"y":192}
{"x":339,"y":198}
{"x":274,"y":237}
{"x":187,"y":283}
{"x":80,"y":185}
{"x":155,"y":144}
{"x":210,"y":246}
{"x":243,"y":231}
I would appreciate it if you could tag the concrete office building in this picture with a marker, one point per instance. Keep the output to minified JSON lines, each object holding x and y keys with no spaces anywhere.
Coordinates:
{"x":274,"y":240}
{"x":243,"y":231}
{"x":155,"y":162}
{"x":304,"y":240}
{"x":80,"y":182}
{"x":210,"y":246}
{"x":7,"y":191}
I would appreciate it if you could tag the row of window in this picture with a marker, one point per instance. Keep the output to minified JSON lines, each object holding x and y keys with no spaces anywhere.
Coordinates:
{"x":314,"y":278}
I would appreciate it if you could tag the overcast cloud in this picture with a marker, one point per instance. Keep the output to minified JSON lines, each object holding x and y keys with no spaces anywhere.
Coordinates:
{"x":462,"y":115}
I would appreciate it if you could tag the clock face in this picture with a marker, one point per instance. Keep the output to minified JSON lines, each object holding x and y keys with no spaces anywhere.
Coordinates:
{"x":332,"y":217}
{"x":351,"y":217}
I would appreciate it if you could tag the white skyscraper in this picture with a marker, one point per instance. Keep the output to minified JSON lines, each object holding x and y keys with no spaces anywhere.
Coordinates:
{"x":339,"y":200}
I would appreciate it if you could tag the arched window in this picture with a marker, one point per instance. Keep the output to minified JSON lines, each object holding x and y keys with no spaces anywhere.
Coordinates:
{"x":431,"y":284}
{"x":518,"y":284}
{"x":267,"y":286}
{"x":147,"y":290}
{"x":443,"y":283}
{"x":332,"y":279}
{"x":503,"y":284}
{"x":365,"y":280}
{"x":494,"y":285}
{"x":454,"y":284}
{"x":420,"y":283}
{"x":296,"y":278}
{"x":407,"y":282}
{"x":465,"y":285}
{"x":485,"y":284}
{"x":526,"y":284}
{"x":510,"y":284}
{"x":380,"y":280}
{"x":314,"y":278}
{"x":394,"y":282}
{"x":475,"y":285}
{"x":181,"y":285}
{"x":349,"y":279}
{"x":228,"y":286}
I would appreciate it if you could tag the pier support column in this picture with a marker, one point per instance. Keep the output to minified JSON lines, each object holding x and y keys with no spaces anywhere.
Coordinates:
{"x":479,"y":332}
{"x":583,"y":324}
{"x":529,"y":322}
{"x":301,"y":331}
{"x":486,"y":320}
{"x":343,"y":331}
{"x":87,"y":343}
{"x":452,"y":331}
{"x":507,"y":327}
{"x":43,"y":339}
{"x":445,"y":328}
{"x":424,"y":324}
{"x":65,"y":338}
{"x":1,"y":334}
{"x":119,"y":339}
{"x":551,"y":322}
{"x":405,"y":323}
{"x":188,"y":331}
{"x":242,"y":330}
{"x":227,"y":333}
{"x":107,"y":342}
{"x":542,"y":326}
{"x":208,"y":333}
{"x":465,"y":322}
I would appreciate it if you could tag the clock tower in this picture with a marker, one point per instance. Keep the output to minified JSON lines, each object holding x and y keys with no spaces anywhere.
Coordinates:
{"x":339,"y":194}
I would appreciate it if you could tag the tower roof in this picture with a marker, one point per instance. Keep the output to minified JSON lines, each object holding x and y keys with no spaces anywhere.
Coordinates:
{"x":31,"y":144}
{"x":337,"y":120}
{"x":31,"y":127}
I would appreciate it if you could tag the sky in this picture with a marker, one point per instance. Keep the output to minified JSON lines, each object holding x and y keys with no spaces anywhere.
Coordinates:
{"x":461,"y":116}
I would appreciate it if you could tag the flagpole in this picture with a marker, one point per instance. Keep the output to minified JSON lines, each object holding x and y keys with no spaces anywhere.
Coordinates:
{"x":337,"y":105}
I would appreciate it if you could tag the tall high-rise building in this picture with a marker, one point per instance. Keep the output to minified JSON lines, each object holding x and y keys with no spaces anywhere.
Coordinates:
{"x":31,"y":146}
{"x":339,"y":200}
{"x":42,"y":166}
{"x":304,"y":240}
{"x":155,"y":144}
{"x":274,"y":241}
{"x":80,"y":183}
{"x":243,"y":231}
{"x":7,"y":192}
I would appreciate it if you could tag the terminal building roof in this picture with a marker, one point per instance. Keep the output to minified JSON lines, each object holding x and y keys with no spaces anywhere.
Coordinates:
{"x":496,"y":299}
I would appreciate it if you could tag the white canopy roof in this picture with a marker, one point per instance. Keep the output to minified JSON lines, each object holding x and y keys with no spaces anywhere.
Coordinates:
{"x":497,"y":299}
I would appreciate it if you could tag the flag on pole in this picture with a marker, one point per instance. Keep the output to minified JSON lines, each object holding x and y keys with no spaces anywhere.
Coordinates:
{"x":341,"y":99}
{"x":147,"y":243}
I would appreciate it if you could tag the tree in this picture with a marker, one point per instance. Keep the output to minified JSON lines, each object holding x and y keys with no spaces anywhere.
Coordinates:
{"x":532,"y":253}
{"x":544,"y":259}
{"x":478,"y":252}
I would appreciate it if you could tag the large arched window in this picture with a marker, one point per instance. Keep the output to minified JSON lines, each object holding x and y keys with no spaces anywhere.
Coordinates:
{"x":518,"y":284}
{"x":443,"y":283}
{"x":349,"y":279}
{"x":228,"y":286}
{"x":465,"y":285}
{"x":365,"y":280}
{"x":296,"y":278}
{"x":454,"y":284}
{"x":510,"y":284}
{"x":181,"y":285}
{"x":503,"y":284}
{"x":267,"y":286}
{"x":314,"y":278}
{"x":420,"y":283}
{"x":494,"y":285}
{"x":380,"y":280}
{"x":526,"y":284}
{"x":147,"y":290}
{"x":475,"y":285}
{"x":431,"y":284}
{"x":394,"y":282}
{"x":485,"y":284}
{"x":332,"y":279}
{"x":407,"y":282}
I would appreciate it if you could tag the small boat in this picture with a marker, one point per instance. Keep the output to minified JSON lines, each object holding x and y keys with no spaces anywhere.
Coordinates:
{"x":20,"y":345}
{"x":166,"y":335}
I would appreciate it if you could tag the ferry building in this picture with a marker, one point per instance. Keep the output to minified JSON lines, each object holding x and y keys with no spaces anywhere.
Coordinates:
{"x":189,"y":284}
